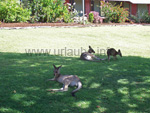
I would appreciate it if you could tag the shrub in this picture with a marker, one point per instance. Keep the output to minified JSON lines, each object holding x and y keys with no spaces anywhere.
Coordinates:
{"x":141,"y":17}
{"x":49,"y":11}
{"x":69,"y":16}
{"x":96,"y":16}
{"x":146,"y":18}
{"x":135,"y":19}
{"x":12,"y":11}
{"x":91,"y":17}
{"x":114,"y":13}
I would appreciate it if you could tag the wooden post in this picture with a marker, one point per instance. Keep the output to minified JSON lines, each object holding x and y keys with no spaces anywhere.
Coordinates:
{"x":83,"y":11}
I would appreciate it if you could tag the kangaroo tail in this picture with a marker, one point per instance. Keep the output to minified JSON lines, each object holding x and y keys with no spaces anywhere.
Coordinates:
{"x":79,"y":87}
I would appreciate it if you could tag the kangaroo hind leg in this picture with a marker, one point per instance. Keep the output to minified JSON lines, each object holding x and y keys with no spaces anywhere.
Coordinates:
{"x":61,"y":89}
{"x":66,"y":84}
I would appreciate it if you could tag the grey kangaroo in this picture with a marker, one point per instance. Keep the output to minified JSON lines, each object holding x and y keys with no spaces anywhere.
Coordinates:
{"x":113,"y":52}
{"x":89,"y":56}
{"x":66,"y":80}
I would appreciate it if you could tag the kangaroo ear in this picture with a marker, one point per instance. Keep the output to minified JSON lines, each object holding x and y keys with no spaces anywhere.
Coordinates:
{"x":118,"y":50}
{"x":89,"y":46}
{"x":54,"y":66}
{"x":60,"y":66}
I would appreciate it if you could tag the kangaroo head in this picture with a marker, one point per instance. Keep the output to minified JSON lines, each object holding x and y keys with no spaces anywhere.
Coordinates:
{"x":119,"y":53}
{"x":91,"y":50}
{"x":56,"y":70}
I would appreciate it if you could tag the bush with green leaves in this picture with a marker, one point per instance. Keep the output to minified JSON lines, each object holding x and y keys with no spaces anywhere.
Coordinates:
{"x":114,"y":13}
{"x":49,"y":11}
{"x":91,"y":17}
{"x":36,"y":11}
{"x":146,"y":18}
{"x":12,"y":11}
{"x":69,"y":17}
{"x":141,"y":17}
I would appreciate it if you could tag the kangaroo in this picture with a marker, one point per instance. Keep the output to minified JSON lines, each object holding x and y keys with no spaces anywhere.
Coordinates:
{"x":89,"y":56}
{"x":113,"y":52}
{"x":66,"y":80}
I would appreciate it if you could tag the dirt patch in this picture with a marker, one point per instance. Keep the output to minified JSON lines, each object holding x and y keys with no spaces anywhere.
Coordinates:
{"x":36,"y":24}
{"x":59,"y":24}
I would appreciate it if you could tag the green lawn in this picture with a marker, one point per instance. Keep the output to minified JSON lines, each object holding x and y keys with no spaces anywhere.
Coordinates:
{"x":121,"y":86}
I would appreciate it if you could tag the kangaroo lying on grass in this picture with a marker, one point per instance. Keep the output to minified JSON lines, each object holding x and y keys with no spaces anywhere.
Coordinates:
{"x":89,"y":56}
{"x":66,"y":80}
{"x":113,"y":52}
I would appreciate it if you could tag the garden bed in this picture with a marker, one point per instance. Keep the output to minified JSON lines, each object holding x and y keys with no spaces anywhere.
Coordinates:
{"x":36,"y":24}
{"x":13,"y":25}
{"x":55,"y":24}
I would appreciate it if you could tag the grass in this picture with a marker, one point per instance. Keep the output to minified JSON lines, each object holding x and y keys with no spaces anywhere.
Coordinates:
{"x":120,"y":86}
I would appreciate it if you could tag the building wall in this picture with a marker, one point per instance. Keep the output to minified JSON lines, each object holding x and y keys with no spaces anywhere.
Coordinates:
{"x":126,"y":5}
{"x":66,"y":1}
{"x":97,"y":5}
{"x":148,"y":8}
{"x":142,"y":8}
{"x":78,"y":5}
{"x":87,"y":6}
{"x":132,"y":8}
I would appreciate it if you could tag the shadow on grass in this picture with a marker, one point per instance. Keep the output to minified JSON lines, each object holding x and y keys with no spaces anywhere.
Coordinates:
{"x":116,"y":86}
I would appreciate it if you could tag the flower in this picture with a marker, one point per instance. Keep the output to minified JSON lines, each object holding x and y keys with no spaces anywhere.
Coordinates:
{"x":74,"y":3}
{"x":69,"y":4}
